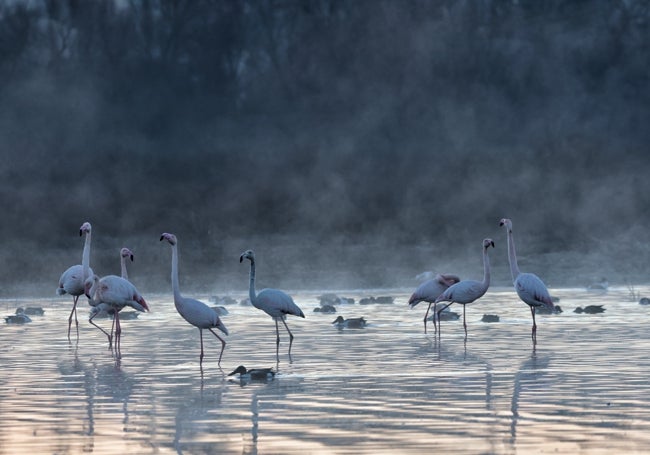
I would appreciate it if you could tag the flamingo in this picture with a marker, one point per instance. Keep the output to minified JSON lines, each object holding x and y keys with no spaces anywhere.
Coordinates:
{"x":530,"y":288}
{"x":194,"y":311}
{"x":73,"y":279}
{"x":273,"y":302}
{"x":99,"y":307}
{"x":116,"y":293}
{"x":468,"y":291}
{"x":429,"y":292}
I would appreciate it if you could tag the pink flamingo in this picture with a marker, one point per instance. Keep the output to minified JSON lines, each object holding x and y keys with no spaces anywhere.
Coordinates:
{"x":273,"y":302}
{"x":194,"y":311}
{"x":116,"y":293}
{"x":99,"y":307}
{"x":73,"y":279}
{"x":530,"y":288}
{"x":467,"y":291}
{"x":429,"y":292}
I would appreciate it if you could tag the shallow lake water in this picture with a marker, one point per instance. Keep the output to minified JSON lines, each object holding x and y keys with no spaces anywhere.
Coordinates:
{"x":583,"y":388}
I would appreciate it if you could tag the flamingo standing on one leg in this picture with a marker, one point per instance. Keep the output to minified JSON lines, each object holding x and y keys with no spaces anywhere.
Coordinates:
{"x":273,"y":302}
{"x":73,"y":279}
{"x":467,"y":291}
{"x":98,"y":307}
{"x":194,"y":311}
{"x":116,"y":292}
{"x":530,"y":288}
{"x":429,"y":292}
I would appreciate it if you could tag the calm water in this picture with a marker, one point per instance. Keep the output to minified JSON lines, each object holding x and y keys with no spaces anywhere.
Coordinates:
{"x":585,"y":388}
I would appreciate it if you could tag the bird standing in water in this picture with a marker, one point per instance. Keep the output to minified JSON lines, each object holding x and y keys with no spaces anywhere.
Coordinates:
{"x":73,"y":280}
{"x":467,"y":291}
{"x":194,"y":311}
{"x":429,"y":291}
{"x":273,"y":302}
{"x":530,"y":288}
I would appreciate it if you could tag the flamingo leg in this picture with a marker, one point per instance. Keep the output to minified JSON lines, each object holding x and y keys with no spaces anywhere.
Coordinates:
{"x":427,"y":314}
{"x":289,"y":332}
{"x":464,"y":323}
{"x":74,"y":311}
{"x":201,"y":356}
{"x":103,"y":331}
{"x":118,"y":330}
{"x":441,"y":310}
{"x":223,"y":345}
{"x":112,"y":329}
{"x":277,"y":341}
{"x":534,"y":331}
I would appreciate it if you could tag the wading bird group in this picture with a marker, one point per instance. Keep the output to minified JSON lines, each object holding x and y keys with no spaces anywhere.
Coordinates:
{"x":110,"y":294}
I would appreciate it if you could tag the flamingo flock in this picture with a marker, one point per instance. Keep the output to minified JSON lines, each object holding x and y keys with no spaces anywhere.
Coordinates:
{"x":112,"y":293}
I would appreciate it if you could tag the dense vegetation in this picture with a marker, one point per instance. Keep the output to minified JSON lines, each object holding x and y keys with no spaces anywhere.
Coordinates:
{"x":410,"y":122}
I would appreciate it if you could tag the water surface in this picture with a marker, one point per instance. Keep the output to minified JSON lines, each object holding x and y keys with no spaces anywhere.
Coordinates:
{"x":584,"y":388}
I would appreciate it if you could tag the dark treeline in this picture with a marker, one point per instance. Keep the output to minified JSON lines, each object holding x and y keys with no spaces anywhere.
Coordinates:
{"x":410,"y":125}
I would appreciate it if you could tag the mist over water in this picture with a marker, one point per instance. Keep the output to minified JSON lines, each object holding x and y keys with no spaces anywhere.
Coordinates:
{"x":350,"y":144}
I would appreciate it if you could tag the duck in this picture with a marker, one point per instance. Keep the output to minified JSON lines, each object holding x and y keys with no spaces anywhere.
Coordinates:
{"x":351,"y":323}
{"x":590,"y":309}
{"x":255,"y":374}
{"x":557,"y":309}
{"x":31,"y":311}
{"x":325,"y":309}
{"x":445,"y":315}
{"x":490,"y":318}
{"x":18,"y":318}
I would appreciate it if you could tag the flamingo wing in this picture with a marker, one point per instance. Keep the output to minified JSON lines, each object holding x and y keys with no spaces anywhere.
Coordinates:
{"x":532,"y":290}
{"x":277,"y":303}
{"x":463,"y":292}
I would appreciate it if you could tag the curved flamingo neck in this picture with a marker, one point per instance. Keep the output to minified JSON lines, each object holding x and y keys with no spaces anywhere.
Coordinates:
{"x":251,"y":289}
{"x":85,"y":257}
{"x":512,"y":256}
{"x":125,"y":273}
{"x":93,"y":291}
{"x":175,"y":285}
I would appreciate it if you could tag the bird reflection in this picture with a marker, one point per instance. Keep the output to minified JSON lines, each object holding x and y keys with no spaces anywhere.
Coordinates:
{"x":192,"y":415}
{"x":527,"y":379}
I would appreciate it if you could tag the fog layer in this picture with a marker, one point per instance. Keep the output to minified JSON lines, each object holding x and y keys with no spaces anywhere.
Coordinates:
{"x":351,"y":144}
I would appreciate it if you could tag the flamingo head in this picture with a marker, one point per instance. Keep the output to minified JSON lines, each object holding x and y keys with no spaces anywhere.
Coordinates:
{"x":241,"y":369}
{"x":507,"y":223}
{"x":126,"y":253}
{"x":85,"y":229}
{"x":487,"y":243}
{"x":171,"y":238}
{"x":248,"y":254}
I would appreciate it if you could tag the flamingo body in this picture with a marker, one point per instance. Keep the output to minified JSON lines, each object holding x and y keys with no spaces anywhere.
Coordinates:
{"x":276,"y":304}
{"x":273,"y":302}
{"x":193,"y":311}
{"x":467,"y":291}
{"x":529,"y":287}
{"x":72,"y":281}
{"x":429,"y":291}
{"x":113,"y":293}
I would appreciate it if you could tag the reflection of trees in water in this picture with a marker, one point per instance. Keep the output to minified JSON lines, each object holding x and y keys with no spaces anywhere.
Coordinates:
{"x":527,"y":379}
